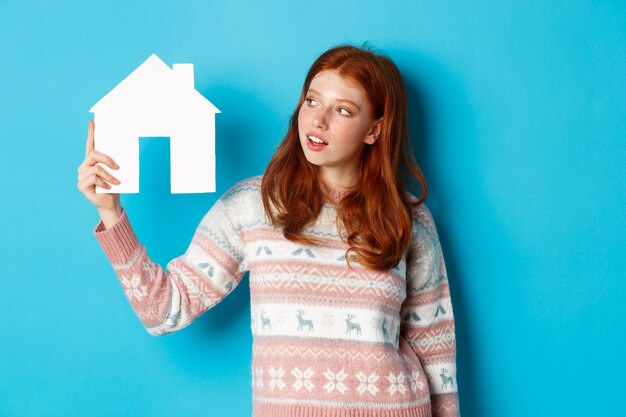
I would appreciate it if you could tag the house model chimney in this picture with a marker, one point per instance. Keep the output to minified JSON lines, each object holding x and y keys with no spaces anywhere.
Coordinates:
{"x":184,"y":73}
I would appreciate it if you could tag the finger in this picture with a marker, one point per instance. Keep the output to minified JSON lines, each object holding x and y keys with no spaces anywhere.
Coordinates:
{"x":90,"y":139}
{"x":95,"y":156}
{"x":82,"y":167}
{"x":87,"y":163}
{"x":82,"y":186}
{"x":91,"y":181}
{"x":88,"y":174}
{"x":101,"y":172}
{"x":101,"y":183}
{"x":88,"y":184}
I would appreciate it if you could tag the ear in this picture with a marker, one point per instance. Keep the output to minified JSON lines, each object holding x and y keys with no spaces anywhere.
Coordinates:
{"x":374,"y":132}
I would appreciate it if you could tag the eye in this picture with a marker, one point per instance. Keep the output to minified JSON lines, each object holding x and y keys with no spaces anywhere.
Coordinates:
{"x":344,"y":112}
{"x":310,"y":101}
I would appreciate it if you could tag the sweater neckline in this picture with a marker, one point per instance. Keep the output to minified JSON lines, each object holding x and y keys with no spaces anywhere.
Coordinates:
{"x":333,"y":195}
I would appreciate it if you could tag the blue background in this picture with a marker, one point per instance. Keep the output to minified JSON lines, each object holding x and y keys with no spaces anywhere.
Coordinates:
{"x":517,"y":118}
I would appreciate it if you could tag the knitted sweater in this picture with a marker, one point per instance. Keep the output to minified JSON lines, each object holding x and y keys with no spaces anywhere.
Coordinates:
{"x":327,"y":340}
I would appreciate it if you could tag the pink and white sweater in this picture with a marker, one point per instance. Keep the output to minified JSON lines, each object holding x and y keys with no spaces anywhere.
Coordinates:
{"x":327,"y":340}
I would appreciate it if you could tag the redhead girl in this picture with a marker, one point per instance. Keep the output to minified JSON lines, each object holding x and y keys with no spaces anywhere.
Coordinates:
{"x":351,"y":312}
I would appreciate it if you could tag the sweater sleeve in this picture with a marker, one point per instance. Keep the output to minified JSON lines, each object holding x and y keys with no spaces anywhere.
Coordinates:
{"x":427,"y":317}
{"x":167,"y":300}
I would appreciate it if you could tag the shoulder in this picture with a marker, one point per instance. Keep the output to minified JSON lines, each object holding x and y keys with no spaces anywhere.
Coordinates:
{"x":243,"y":203}
{"x":247,"y":188}
{"x":424,"y":228}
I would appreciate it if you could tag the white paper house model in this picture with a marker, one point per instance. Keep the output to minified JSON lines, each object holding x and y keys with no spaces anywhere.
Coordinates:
{"x":155,"y":100}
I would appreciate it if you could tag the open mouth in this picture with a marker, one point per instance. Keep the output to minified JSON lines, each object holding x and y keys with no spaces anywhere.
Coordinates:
{"x":316,"y":140}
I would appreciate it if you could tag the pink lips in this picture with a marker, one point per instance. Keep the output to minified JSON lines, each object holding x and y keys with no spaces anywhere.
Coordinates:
{"x":320,"y":137}
{"x":314,"y":146}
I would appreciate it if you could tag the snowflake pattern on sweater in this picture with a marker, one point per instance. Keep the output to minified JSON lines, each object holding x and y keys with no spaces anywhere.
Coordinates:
{"x":327,"y":339}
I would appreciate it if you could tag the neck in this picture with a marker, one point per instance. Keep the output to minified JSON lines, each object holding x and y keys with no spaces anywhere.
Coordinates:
{"x":339,"y":181}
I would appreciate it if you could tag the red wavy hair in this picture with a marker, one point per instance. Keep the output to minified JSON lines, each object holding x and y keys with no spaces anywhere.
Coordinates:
{"x":377,"y":212}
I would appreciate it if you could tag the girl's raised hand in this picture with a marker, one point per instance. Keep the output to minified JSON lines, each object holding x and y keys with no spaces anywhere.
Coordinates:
{"x":90,"y":174}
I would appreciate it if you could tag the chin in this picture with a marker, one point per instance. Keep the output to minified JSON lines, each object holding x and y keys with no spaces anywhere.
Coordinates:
{"x":310,"y":156}
{"x":312,"y":161}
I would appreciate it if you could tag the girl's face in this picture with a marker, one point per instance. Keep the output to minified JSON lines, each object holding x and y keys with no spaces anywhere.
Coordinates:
{"x":337,"y":113}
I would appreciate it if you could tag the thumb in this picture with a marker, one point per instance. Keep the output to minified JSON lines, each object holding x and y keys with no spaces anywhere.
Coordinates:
{"x":90,"y":139}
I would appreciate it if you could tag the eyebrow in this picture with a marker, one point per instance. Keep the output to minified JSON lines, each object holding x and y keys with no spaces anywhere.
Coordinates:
{"x":311,"y":90}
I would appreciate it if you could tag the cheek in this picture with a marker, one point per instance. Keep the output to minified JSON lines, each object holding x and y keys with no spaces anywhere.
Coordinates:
{"x":302,"y":118}
{"x":350,"y":134}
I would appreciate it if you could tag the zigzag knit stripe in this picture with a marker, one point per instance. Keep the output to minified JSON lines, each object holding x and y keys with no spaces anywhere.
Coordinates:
{"x":326,"y":296}
{"x":323,"y":350}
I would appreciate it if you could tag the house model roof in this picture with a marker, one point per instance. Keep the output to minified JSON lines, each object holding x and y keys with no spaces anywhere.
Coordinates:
{"x":154,"y":78}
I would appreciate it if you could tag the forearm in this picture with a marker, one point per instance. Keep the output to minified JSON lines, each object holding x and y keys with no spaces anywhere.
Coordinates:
{"x":430,"y":330}
{"x":146,"y":285}
{"x":166,"y":300}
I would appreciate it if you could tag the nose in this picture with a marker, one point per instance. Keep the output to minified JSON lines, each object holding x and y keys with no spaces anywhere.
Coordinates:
{"x":319,"y":119}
